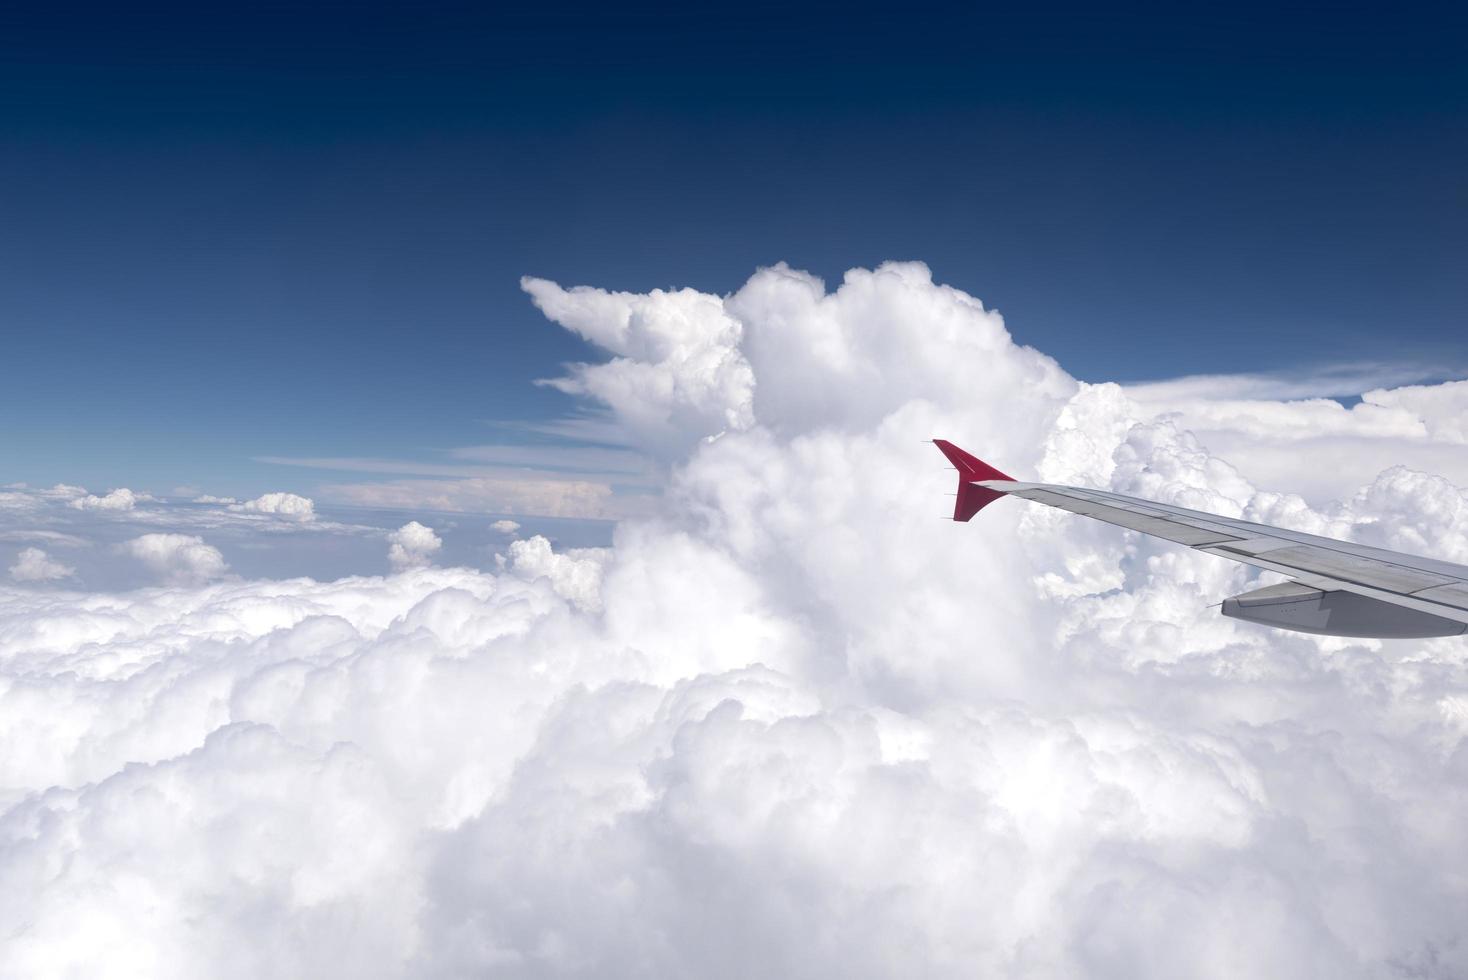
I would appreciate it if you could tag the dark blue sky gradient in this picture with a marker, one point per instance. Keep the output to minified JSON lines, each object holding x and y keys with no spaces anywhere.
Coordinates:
{"x":277,"y":232}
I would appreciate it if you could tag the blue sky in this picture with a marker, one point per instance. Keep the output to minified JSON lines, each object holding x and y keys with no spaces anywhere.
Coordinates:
{"x":290,"y":233}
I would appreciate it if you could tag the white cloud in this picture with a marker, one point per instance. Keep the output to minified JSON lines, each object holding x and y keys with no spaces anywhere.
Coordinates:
{"x":1417,"y":426}
{"x":505,"y":526}
{"x":678,"y":373}
{"x":574,"y":575}
{"x":117,"y":500}
{"x":64,"y":491}
{"x":286,"y":506}
{"x":14,"y":501}
{"x":211,"y":499}
{"x":272,"y":545}
{"x":178,"y":559}
{"x":1442,"y":409}
{"x":788,"y":725}
{"x":34,"y":565}
{"x":413,"y":546}
{"x":1321,"y":381}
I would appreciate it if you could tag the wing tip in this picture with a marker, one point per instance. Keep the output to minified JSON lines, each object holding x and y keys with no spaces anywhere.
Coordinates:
{"x":969,"y":466}
{"x":972,"y":498}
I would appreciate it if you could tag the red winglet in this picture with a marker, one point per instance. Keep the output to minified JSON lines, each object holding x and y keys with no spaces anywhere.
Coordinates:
{"x":972,"y":498}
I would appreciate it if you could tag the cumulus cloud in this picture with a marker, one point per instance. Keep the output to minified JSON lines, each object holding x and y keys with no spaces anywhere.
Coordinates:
{"x":677,"y":371}
{"x":117,"y":500}
{"x":505,"y":526}
{"x":789,"y":724}
{"x":575,"y":575}
{"x":272,"y":544}
{"x":211,"y":499}
{"x":178,"y":559}
{"x":1442,"y":409}
{"x":286,"y":506}
{"x":413,"y":546}
{"x":34,"y":565}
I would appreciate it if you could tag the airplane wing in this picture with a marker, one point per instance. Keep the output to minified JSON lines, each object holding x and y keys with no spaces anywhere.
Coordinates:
{"x":1336,"y":588}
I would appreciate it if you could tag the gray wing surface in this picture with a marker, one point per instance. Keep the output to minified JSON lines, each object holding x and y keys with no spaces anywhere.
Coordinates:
{"x":1336,"y":588}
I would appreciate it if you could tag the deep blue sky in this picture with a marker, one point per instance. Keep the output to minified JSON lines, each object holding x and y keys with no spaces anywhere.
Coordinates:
{"x":286,"y":232}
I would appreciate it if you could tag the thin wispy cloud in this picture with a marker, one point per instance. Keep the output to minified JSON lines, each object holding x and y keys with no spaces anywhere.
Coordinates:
{"x":558,"y":480}
{"x":1298,"y":382}
{"x":496,"y":461}
{"x":521,"y":496}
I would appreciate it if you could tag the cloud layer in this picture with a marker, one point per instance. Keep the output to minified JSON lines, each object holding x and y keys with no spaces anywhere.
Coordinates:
{"x":790,"y":724}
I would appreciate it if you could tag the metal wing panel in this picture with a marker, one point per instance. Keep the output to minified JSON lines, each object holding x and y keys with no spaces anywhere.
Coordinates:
{"x":1171,"y":530}
{"x":1354,"y":568}
{"x":1425,"y":584}
{"x":1456,"y":610}
{"x":1062,"y":501}
{"x":1248,"y":529}
{"x":1134,"y":518}
{"x":1455,"y":595}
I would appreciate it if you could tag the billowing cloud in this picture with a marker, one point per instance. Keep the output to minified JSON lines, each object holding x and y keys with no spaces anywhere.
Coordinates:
{"x":1442,"y":409}
{"x":178,"y":559}
{"x":790,"y":724}
{"x":412,"y":546}
{"x":117,"y":500}
{"x":34,"y":565}
{"x":505,"y":526}
{"x":677,"y":373}
{"x":287,"y":506}
{"x":575,"y":575}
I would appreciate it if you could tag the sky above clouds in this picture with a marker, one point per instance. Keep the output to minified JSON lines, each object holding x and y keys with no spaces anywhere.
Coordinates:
{"x":299,"y":232}
{"x":467,"y":507}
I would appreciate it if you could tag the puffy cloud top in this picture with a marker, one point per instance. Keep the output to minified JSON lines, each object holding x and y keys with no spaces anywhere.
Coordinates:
{"x":677,"y":374}
{"x":287,"y":506}
{"x":34,"y":565}
{"x":120,"y":499}
{"x":413,"y":546}
{"x":575,"y":575}
{"x":178,"y":559}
